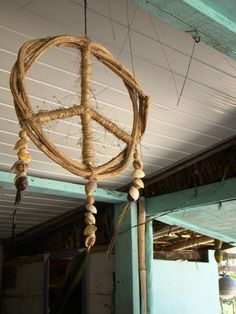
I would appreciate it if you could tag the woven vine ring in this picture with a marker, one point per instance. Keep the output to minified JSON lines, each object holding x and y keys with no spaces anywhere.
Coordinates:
{"x":32,"y":122}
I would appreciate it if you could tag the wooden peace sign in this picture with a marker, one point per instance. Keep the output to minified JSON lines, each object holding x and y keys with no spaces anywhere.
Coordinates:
{"x":32,"y":122}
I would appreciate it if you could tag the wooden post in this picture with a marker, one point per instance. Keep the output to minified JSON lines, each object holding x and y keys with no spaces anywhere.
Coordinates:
{"x":1,"y":266}
{"x":149,"y":263}
{"x":126,"y":260}
{"x":142,"y":258}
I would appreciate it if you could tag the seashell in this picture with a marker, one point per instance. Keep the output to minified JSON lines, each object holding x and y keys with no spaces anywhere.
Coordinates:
{"x":91,"y":208}
{"x":138,"y":174}
{"x":90,"y":240}
{"x":19,"y":166}
{"x":138,"y":164}
{"x":90,"y":199}
{"x":89,"y":229}
{"x":89,"y":219}
{"x":22,"y":143}
{"x":21,"y":182}
{"x":24,"y":155}
{"x":137,"y":155}
{"x":90,"y":186}
{"x":22,"y":134}
{"x":134,"y":193}
{"x":19,"y":175}
{"x":138,"y":183}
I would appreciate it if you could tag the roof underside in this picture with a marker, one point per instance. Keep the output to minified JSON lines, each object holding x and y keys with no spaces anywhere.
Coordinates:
{"x":160,"y":55}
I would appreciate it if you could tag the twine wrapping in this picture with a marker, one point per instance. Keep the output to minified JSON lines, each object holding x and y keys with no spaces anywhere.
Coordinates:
{"x":32,"y":122}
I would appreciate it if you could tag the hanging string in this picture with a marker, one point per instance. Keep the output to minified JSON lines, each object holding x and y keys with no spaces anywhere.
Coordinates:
{"x":85,"y":18}
{"x":164,"y":53}
{"x":126,"y":35}
{"x":130,"y":45}
{"x":111,"y":21}
{"x":186,"y":75}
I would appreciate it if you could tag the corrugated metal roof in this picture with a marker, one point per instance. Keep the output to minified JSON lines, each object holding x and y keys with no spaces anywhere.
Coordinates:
{"x":160,"y":54}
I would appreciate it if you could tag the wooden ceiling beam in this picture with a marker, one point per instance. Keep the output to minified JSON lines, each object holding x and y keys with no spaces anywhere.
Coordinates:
{"x":194,"y":255}
{"x":189,"y":161}
{"x":165,"y":231}
{"x":190,"y":243}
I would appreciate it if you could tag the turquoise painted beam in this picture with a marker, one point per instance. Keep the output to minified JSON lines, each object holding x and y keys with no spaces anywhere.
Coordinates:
{"x":66,"y":189}
{"x":127,"y":268}
{"x":203,"y":195}
{"x":214,"y":20}
{"x":210,"y":12}
{"x":223,"y":230}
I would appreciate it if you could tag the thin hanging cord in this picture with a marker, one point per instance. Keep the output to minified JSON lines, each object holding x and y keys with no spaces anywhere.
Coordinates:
{"x":85,"y":18}
{"x":164,"y":53}
{"x":112,"y":27}
{"x":186,"y":75}
{"x":130,"y":45}
{"x":123,"y":44}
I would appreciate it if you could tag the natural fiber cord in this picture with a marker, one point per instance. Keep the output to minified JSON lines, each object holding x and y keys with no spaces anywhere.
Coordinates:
{"x":32,"y":122}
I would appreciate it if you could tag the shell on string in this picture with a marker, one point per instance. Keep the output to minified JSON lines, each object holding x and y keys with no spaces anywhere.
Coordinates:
{"x":91,"y":208}
{"x":24,"y":155}
{"x":138,"y":174}
{"x":21,"y":143}
{"x":19,"y":166}
{"x":22,"y":134}
{"x":137,"y":164}
{"x":89,"y":219}
{"x":134,"y":193}
{"x":90,"y":199}
{"x":90,"y":187}
{"x":21,"y":182}
{"x":90,"y":240}
{"x":137,"y":155}
{"x":138,"y":183}
{"x":89,"y":229}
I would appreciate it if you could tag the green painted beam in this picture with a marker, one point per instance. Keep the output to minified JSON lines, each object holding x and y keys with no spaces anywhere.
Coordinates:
{"x":149,"y":263}
{"x":212,"y":220}
{"x":66,"y":189}
{"x":212,"y":14}
{"x":203,"y":195}
{"x":126,"y":263}
{"x":214,"y":20}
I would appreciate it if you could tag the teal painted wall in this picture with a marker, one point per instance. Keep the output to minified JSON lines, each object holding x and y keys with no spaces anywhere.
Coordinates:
{"x":185,"y":287}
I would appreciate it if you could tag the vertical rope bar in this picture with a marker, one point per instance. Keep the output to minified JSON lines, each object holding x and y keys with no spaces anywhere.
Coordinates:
{"x":87,"y":149}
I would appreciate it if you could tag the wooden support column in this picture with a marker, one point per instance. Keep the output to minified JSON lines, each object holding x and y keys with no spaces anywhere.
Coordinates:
{"x":142,"y":257}
{"x":127,"y":268}
{"x":149,"y":263}
{"x":1,"y":265}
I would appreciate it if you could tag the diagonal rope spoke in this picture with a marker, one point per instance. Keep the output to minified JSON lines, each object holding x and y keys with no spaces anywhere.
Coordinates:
{"x":57,"y":114}
{"x":110,"y":126}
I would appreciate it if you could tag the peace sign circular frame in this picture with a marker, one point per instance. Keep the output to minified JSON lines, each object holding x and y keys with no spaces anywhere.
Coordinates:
{"x":32,"y":122}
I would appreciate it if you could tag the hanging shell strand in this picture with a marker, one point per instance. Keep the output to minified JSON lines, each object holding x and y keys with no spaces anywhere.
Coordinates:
{"x":90,"y":219}
{"x":20,"y":167}
{"x":138,"y":174}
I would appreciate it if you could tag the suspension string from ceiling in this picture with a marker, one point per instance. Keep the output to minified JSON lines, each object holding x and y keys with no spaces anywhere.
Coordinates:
{"x":223,"y":46}
{"x":85,"y":18}
{"x":129,"y":37}
{"x":186,"y":75}
{"x":164,"y":53}
{"x":110,"y":18}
